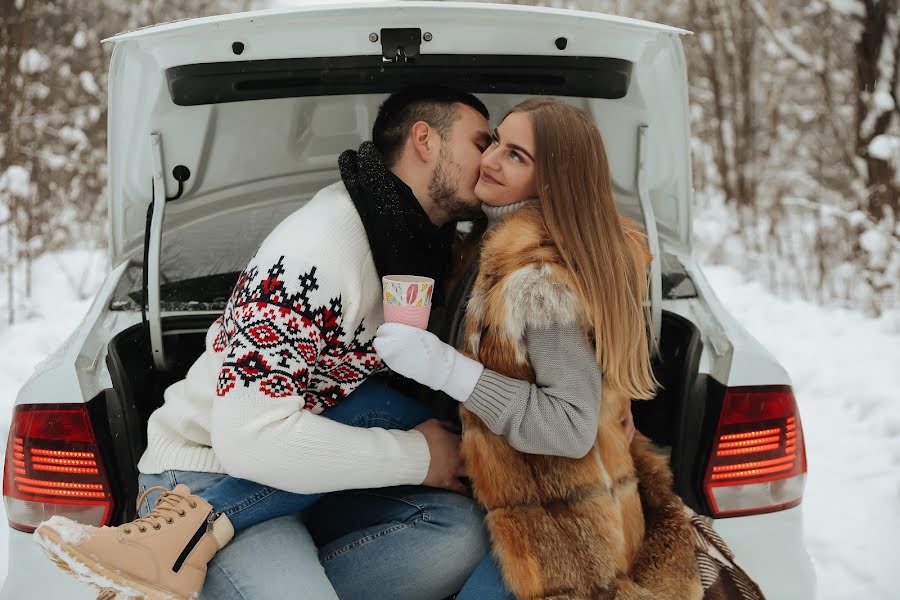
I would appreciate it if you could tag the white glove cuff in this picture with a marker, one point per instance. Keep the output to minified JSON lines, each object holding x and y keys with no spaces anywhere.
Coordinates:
{"x":464,"y":375}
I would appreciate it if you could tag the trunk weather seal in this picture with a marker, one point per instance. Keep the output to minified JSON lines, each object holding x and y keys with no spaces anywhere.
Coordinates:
{"x":652,"y":236}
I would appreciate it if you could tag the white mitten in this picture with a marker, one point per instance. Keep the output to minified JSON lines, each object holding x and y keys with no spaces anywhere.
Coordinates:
{"x":421,"y":355}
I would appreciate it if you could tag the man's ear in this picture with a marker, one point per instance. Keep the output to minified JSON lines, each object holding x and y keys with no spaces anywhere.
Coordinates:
{"x":424,"y":140}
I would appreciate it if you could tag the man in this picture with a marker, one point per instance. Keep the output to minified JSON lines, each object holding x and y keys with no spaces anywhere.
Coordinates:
{"x":295,"y":340}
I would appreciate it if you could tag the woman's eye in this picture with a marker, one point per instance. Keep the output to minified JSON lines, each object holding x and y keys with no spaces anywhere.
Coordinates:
{"x":515,"y":156}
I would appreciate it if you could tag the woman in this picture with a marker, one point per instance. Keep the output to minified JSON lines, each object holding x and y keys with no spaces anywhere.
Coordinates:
{"x":559,"y":300}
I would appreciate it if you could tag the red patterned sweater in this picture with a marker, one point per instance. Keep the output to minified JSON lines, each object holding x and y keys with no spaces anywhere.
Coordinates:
{"x":295,"y":338}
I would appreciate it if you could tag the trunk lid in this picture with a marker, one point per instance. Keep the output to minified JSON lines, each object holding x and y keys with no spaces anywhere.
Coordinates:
{"x":258,"y":106}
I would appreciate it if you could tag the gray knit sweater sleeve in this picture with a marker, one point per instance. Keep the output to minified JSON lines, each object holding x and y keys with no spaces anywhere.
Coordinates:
{"x":556,"y":415}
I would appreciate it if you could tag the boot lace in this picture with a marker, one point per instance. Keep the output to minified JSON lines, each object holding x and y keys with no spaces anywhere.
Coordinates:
{"x":166,"y":508}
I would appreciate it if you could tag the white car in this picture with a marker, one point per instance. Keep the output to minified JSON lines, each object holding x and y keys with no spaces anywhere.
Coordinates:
{"x":228,"y":124}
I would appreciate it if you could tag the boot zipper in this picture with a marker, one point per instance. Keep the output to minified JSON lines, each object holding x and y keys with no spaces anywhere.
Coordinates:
{"x":201,"y":531}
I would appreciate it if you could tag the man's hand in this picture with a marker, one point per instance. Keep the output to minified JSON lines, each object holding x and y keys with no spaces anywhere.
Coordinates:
{"x":446,"y":466}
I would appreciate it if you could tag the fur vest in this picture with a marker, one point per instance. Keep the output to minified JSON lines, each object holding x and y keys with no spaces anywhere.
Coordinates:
{"x":607,"y":525}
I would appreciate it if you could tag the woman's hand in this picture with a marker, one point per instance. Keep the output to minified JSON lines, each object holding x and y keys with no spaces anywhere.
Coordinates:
{"x":415,"y":353}
{"x":628,"y":424}
{"x":420,"y":355}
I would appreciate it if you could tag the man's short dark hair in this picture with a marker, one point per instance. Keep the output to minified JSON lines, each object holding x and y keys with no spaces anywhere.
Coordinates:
{"x":433,"y":104}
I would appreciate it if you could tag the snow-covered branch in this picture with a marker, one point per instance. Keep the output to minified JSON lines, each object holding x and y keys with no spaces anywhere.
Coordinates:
{"x":784,"y":41}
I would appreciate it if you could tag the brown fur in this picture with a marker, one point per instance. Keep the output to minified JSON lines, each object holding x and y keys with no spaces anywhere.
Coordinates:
{"x":566,"y":528}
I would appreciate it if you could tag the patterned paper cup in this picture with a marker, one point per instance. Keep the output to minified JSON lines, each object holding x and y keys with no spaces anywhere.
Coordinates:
{"x":407,"y":299}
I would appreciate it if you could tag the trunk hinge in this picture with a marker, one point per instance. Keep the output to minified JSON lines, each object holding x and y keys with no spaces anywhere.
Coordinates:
{"x":150,"y":295}
{"x":652,"y":237}
{"x":152,"y":244}
{"x":400,"y":45}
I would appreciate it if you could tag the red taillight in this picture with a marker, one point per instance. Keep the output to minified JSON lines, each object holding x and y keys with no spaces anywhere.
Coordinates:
{"x":53,"y":467}
{"x":758,"y":459}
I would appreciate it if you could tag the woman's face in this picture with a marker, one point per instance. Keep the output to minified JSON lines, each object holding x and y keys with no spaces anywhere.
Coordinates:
{"x":507,"y":166}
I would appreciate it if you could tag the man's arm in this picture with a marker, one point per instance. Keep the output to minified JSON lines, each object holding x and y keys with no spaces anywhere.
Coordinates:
{"x":290,"y":448}
{"x":273,"y":335}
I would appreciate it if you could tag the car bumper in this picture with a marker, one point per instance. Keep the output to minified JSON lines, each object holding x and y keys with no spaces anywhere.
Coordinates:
{"x":32,"y":575}
{"x":769,"y":547}
{"x":772,"y":549}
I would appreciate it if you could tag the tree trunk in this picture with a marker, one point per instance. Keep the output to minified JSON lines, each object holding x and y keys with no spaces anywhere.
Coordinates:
{"x":15,"y":30}
{"x":713,"y":74}
{"x":10,"y":276}
{"x":883,"y":193}
{"x":28,"y":270}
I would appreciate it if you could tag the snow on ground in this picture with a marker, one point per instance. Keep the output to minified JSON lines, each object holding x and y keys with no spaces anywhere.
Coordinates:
{"x":64,"y":284}
{"x":844,"y":368}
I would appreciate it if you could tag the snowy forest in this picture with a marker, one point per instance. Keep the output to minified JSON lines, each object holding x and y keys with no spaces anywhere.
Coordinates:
{"x":795,"y":119}
{"x":53,"y":127}
{"x":796,"y":140}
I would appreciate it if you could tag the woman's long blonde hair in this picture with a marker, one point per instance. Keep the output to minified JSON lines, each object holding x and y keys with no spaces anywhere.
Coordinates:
{"x":605,"y":252}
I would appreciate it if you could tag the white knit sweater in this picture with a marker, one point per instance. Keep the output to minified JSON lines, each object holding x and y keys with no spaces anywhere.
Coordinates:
{"x":294,"y":339}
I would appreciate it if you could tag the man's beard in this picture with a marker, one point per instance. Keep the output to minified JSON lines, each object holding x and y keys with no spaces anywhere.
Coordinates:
{"x":444,"y":190}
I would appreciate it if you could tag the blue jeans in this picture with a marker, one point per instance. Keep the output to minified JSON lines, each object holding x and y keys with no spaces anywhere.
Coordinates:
{"x":407,"y":542}
{"x":486,"y":583}
{"x":372,"y":404}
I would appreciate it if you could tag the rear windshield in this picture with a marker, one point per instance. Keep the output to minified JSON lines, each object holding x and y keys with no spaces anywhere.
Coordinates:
{"x":200,"y":265}
{"x":198,"y":278}
{"x":203,"y":293}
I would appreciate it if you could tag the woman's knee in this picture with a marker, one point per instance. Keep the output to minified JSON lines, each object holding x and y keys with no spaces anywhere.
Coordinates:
{"x":461,"y":521}
{"x":486,"y":583}
{"x":273,"y":559}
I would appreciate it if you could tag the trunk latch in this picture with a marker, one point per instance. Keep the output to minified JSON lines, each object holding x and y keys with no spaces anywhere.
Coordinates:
{"x":400,"y":45}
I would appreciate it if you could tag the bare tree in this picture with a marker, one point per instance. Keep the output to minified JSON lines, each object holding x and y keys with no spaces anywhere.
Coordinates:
{"x":792,"y":130}
{"x":877,"y":50}
{"x":16,"y":30}
{"x":53,"y":118}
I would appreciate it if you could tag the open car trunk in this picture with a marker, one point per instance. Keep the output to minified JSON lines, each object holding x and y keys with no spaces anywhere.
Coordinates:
{"x":221,"y":127}
{"x":139,"y":391}
{"x":233,"y":114}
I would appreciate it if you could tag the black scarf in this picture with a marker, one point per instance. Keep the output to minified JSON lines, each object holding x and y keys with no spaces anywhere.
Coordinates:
{"x":403,"y":239}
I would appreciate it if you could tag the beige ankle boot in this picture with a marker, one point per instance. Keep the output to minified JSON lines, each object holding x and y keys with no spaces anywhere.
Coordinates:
{"x":162,"y":556}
